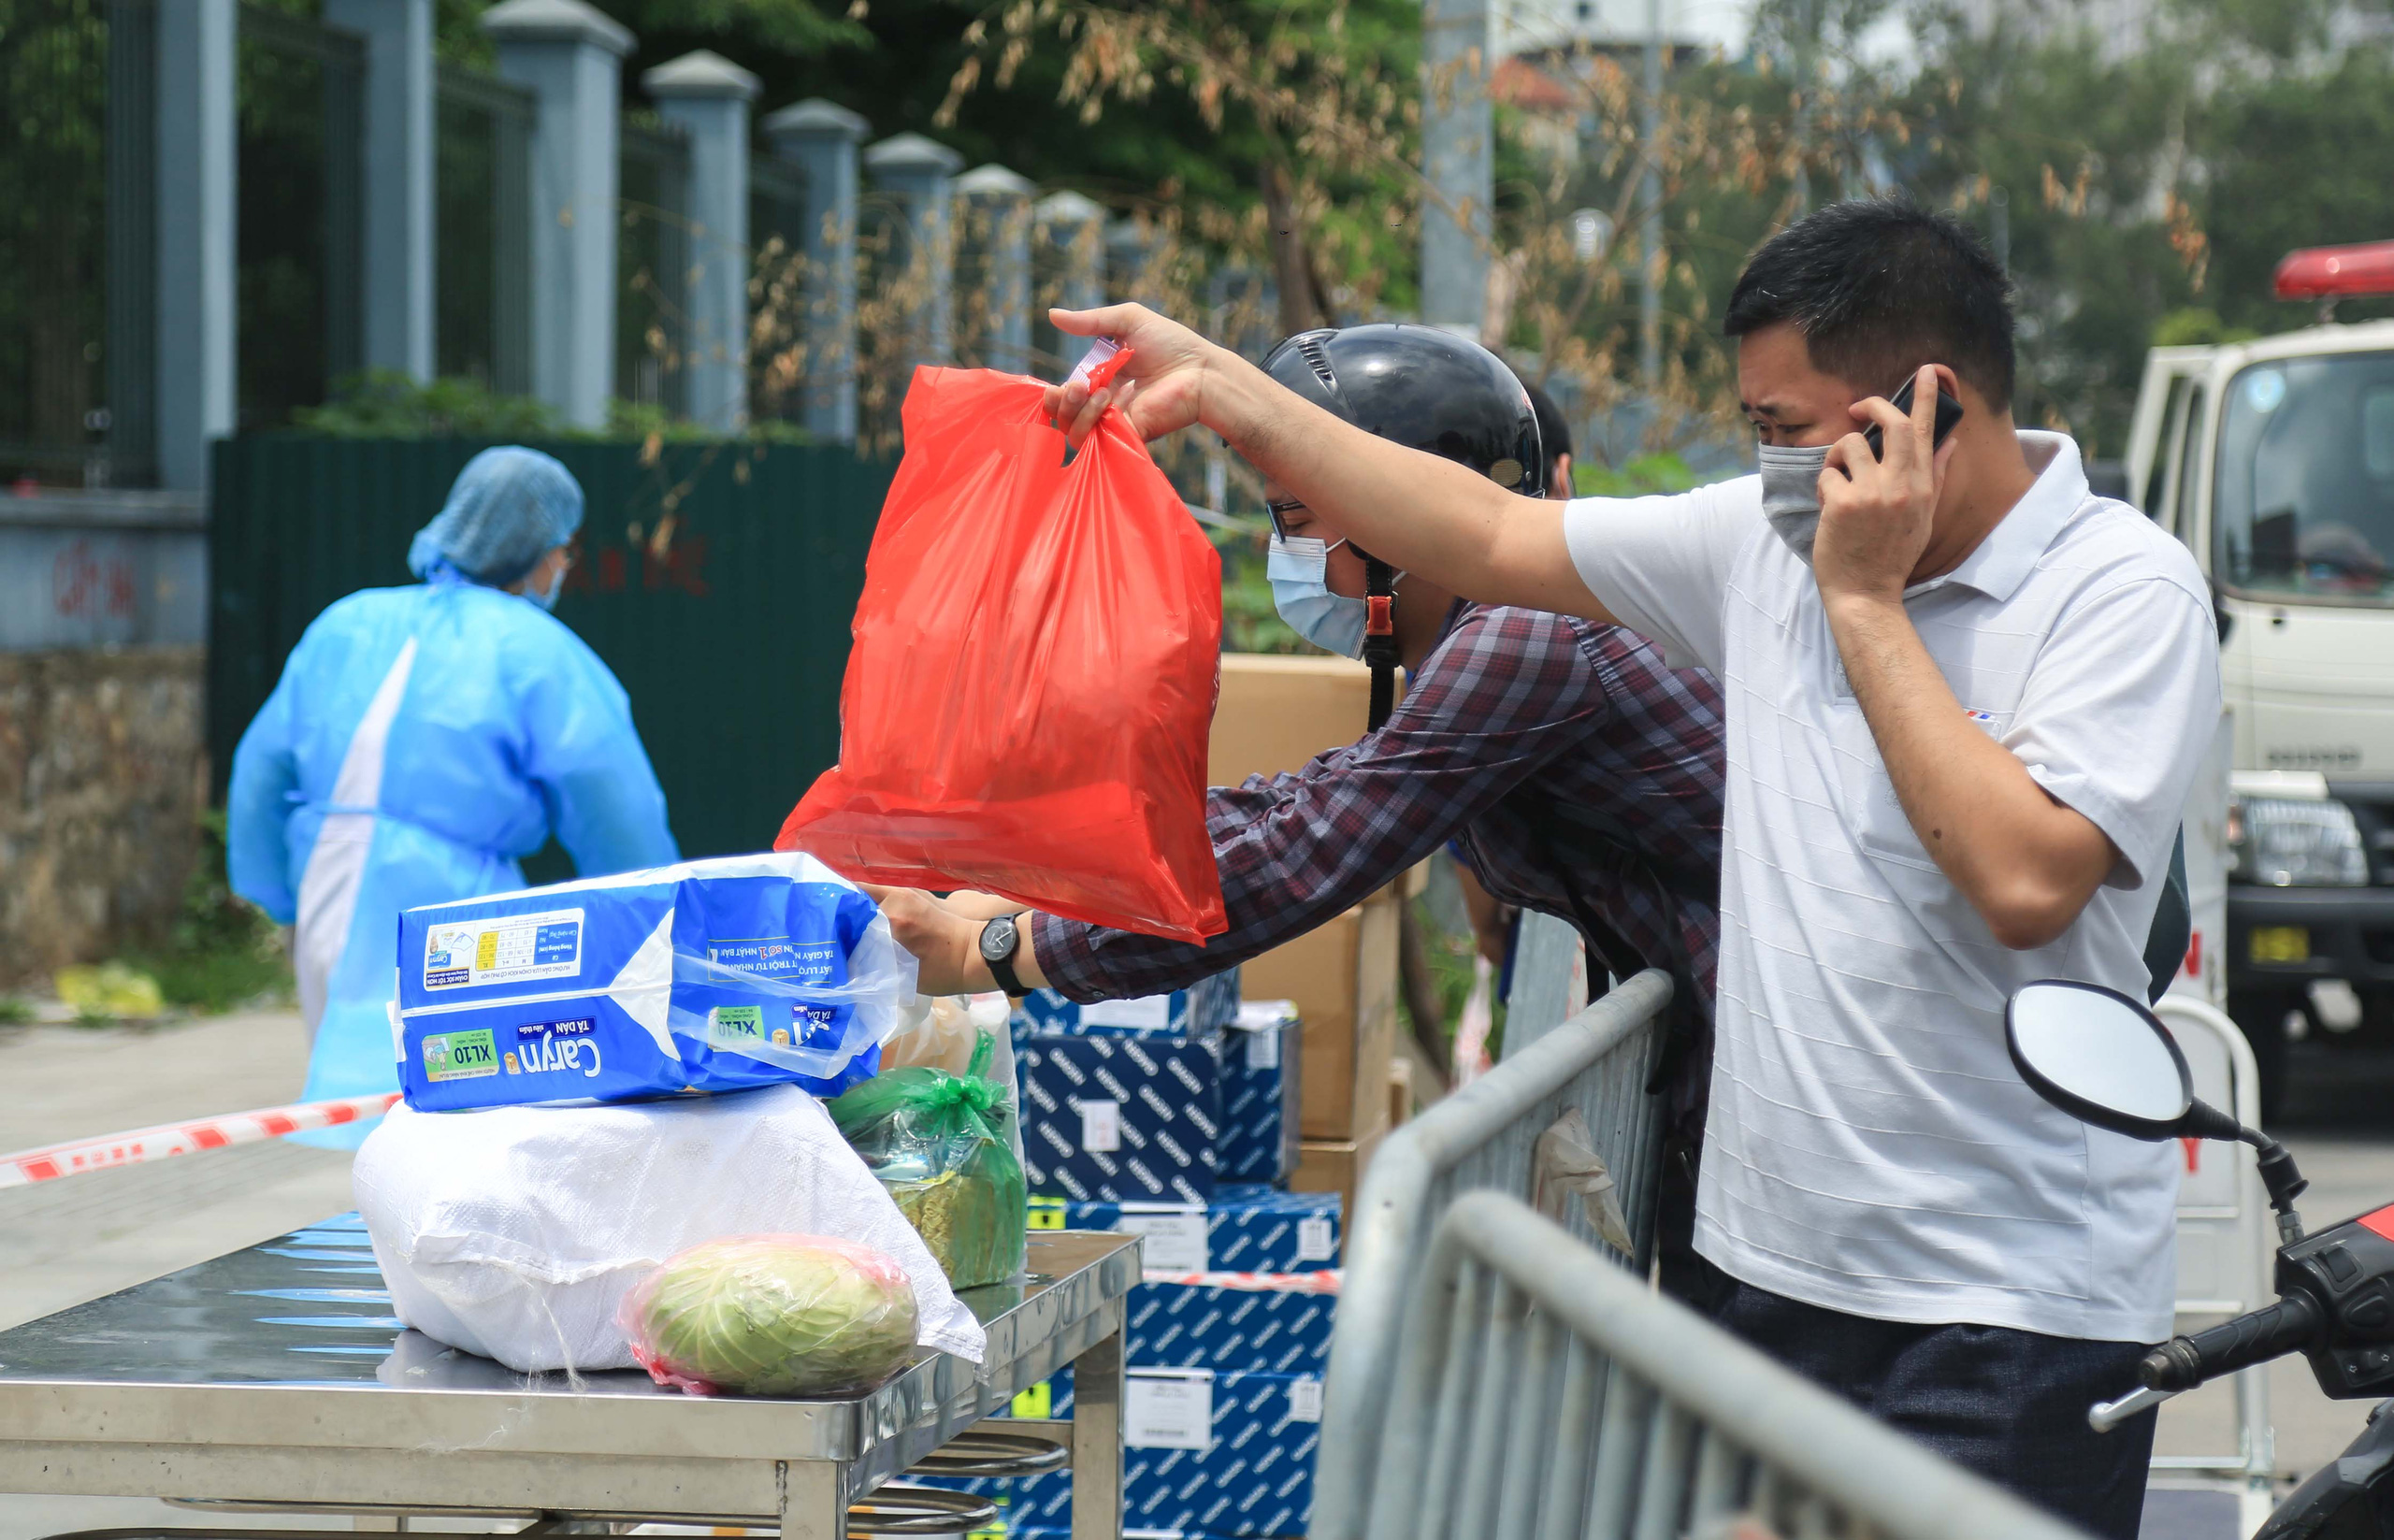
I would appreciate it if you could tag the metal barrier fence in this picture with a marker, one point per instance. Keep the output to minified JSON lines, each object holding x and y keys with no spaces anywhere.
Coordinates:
{"x":652,"y":268}
{"x":301,"y":306}
{"x":1542,"y":1392}
{"x":482,"y":279}
{"x":77,"y":266}
{"x":1483,"y":1136}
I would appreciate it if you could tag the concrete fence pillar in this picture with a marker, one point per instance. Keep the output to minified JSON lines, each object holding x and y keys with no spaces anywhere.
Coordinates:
{"x":997,"y":206}
{"x":1458,"y":161}
{"x":1130,"y":250}
{"x":821,"y":138}
{"x":918,"y":174}
{"x":398,"y":155}
{"x":707,"y":95}
{"x":196,"y":226}
{"x":569,"y":55}
{"x":1074,"y":227}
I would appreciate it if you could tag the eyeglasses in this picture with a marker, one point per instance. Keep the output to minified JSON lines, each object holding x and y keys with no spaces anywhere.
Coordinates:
{"x":1276,"y":510}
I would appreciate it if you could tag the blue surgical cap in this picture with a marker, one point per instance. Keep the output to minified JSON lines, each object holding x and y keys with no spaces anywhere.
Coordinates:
{"x":507,"y":509}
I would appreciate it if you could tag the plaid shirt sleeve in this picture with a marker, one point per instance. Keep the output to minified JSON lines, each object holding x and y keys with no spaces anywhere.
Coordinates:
{"x":1505,"y":691}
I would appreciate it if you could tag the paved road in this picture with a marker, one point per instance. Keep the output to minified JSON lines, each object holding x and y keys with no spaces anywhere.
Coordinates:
{"x":76,"y":1239}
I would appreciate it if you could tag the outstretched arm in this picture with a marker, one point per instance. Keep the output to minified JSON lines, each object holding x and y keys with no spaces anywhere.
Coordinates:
{"x":1412,"y":510}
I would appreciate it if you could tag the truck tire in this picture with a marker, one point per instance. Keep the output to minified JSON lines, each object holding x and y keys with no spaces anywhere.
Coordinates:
{"x":2260,"y":1016}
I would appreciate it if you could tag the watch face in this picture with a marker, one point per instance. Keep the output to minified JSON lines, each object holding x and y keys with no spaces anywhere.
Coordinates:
{"x":997,"y":941}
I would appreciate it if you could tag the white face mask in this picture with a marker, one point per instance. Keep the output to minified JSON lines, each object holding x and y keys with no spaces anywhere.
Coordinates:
{"x":1791,"y":494}
{"x":547,"y":599}
{"x":1299,"y":570}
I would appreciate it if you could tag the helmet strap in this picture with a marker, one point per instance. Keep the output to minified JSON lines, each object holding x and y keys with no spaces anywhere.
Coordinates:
{"x":1379,"y":637}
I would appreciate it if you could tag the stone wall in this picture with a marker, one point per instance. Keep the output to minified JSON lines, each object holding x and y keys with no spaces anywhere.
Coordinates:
{"x":103,"y":777}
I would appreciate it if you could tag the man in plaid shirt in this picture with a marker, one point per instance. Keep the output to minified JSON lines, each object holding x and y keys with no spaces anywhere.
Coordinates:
{"x":1575,"y":774}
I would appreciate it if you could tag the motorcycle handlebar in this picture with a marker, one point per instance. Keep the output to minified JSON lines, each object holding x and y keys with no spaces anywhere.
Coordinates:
{"x":2183,"y":1363}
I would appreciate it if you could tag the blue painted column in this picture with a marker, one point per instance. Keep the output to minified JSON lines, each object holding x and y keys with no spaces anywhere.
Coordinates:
{"x":569,"y":55}
{"x":197,"y":225}
{"x":997,"y":208}
{"x":919,"y":175}
{"x":398,"y":263}
{"x":821,"y":138}
{"x":707,"y":95}
{"x":1074,"y":227}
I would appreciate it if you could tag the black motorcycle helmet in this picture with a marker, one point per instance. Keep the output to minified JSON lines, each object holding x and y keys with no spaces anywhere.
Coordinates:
{"x":1425,"y":388}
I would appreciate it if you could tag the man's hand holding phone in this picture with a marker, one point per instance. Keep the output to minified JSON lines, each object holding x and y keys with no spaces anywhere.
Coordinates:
{"x":1877,"y":509}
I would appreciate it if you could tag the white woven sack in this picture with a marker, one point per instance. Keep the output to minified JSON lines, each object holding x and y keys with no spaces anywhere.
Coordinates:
{"x":515,"y":1231}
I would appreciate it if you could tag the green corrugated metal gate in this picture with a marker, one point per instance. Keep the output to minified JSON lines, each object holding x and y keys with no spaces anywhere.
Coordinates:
{"x":732,"y":645}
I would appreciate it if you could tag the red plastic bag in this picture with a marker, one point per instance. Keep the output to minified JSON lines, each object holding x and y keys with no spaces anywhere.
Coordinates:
{"x":1036,"y":656}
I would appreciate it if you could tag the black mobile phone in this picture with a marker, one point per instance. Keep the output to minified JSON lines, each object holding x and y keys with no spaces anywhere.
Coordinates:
{"x":1949,"y":412}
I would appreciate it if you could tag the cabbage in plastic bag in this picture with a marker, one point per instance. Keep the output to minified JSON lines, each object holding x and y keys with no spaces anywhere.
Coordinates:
{"x":773,"y":1316}
{"x":942,"y":1144}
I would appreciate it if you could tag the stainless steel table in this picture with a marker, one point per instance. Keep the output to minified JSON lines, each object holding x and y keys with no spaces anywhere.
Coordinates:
{"x":277,"y":1375}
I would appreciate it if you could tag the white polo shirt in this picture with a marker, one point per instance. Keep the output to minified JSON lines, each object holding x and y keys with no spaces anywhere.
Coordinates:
{"x":1870,"y":1147}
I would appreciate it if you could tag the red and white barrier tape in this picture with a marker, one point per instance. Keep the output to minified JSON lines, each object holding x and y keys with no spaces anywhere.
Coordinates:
{"x":208,"y":1133}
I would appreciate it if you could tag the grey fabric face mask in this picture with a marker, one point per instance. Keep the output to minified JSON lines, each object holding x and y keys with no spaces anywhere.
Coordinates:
{"x":1791,"y":494}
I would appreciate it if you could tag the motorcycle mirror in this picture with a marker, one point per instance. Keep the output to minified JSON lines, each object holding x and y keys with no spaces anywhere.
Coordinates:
{"x":2100,"y":1057}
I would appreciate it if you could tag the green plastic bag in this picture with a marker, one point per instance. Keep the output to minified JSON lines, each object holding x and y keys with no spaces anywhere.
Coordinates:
{"x":944,"y":1146}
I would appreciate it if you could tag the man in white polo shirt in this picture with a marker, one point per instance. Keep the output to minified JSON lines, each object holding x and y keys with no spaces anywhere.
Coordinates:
{"x":1965,"y":700}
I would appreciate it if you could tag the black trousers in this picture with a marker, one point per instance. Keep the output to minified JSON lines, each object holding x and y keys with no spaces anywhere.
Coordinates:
{"x":2006,"y":1404}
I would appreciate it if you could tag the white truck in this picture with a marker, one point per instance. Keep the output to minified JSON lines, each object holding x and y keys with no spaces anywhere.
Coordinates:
{"x":2273,"y":461}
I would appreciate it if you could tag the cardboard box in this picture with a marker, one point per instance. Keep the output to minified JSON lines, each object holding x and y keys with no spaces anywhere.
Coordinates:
{"x":1400,"y":1091}
{"x":1262,"y":1059}
{"x":1276,"y":712}
{"x":1244,"y":1229}
{"x":1343,"y":979}
{"x":1336,"y":1165}
{"x":1121,"y":1117}
{"x":1228,"y":1327}
{"x":1204,"y":1453}
{"x":1208,"y":1005}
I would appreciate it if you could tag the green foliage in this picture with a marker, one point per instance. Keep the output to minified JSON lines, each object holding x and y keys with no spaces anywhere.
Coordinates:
{"x":386,"y":404}
{"x":1646,"y":474}
{"x":2197,"y":326}
{"x":15,"y":1011}
{"x":223,"y":952}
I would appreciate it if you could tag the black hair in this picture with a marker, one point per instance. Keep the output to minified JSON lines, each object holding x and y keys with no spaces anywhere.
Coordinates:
{"x":1553,"y":433}
{"x":1878,"y":287}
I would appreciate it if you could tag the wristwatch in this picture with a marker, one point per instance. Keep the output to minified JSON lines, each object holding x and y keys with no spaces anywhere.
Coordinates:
{"x":1000,"y":939}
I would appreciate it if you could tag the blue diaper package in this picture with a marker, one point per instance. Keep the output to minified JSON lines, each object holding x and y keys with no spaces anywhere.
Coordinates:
{"x":714,"y":975}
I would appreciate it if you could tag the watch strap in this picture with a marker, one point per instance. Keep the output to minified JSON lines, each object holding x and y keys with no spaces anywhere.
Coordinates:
{"x":1001,"y":958}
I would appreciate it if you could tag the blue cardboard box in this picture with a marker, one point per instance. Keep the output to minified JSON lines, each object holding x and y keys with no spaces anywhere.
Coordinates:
{"x":1209,"y":1326}
{"x":1218,"y":1453}
{"x":1206,"y":1006}
{"x":1242,"y":1229}
{"x":1120,"y":1117}
{"x":1260,"y":1094}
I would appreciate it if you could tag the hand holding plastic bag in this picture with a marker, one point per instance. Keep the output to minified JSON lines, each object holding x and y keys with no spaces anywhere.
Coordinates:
{"x":941,"y":1143}
{"x":1027,"y":704}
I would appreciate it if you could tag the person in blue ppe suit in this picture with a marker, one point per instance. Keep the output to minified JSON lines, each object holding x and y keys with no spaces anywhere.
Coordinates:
{"x":422,"y":740}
